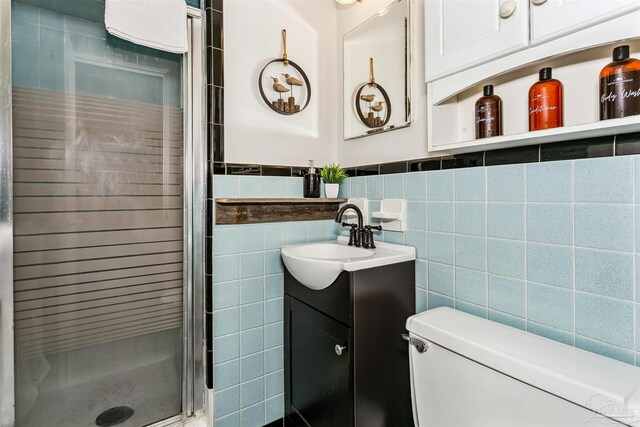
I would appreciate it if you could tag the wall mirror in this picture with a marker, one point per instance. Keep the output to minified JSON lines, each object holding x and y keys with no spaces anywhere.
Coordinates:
{"x":377,"y":73}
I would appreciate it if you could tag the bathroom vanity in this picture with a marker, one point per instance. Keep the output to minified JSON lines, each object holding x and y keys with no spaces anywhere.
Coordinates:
{"x":345,"y":361}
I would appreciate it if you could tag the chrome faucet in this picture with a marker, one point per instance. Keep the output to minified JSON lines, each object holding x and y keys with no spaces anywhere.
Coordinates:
{"x":359,"y":235}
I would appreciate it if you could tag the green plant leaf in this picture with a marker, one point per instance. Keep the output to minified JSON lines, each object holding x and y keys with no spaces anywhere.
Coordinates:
{"x":333,"y":174}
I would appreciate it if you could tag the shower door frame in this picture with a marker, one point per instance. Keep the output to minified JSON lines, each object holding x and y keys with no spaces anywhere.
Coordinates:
{"x":7,"y":399}
{"x":194,"y":191}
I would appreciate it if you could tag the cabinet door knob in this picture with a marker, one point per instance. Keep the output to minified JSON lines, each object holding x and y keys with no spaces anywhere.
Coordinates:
{"x":538,"y":2}
{"x":340,"y":349}
{"x":507,"y":8}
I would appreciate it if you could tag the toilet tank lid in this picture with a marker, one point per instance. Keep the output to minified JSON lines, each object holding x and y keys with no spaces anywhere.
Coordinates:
{"x":582,"y":377}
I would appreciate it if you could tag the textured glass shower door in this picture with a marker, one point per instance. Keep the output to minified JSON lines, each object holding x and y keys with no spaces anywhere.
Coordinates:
{"x":98,"y":220}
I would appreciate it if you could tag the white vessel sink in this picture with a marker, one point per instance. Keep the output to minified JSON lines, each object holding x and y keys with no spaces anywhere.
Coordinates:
{"x":317,"y":265}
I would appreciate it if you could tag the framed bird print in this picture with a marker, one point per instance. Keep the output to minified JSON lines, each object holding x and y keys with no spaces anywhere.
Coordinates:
{"x":372,"y":102}
{"x":283,"y":85}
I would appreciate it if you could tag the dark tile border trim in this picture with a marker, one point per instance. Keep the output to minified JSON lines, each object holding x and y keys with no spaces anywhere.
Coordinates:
{"x":215,"y":152}
{"x":605,"y":146}
{"x":398,"y":167}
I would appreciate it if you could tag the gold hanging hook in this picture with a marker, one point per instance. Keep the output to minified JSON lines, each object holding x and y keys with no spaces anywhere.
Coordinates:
{"x":284,"y":44}
{"x":372,"y":78}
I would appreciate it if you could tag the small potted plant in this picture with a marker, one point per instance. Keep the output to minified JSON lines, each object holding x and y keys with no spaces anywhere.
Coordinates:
{"x":332,"y":175}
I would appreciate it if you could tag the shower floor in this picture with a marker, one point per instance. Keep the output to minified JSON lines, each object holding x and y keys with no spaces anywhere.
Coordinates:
{"x":152,"y":391}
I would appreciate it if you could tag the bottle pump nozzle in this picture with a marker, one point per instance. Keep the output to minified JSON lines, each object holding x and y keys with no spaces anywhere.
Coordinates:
{"x":312,"y":169}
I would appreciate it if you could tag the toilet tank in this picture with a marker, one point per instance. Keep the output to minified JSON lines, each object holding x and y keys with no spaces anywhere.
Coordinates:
{"x":476,"y":372}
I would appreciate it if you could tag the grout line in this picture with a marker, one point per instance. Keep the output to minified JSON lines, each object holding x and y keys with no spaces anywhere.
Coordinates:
{"x":426,"y":236}
{"x":573,"y":246}
{"x":454,"y":176}
{"x":558,"y":287}
{"x":486,"y":240}
{"x":608,"y":344}
{"x":591,"y":203}
{"x":607,"y":297}
{"x":610,"y":251}
{"x":634,"y":285}
{"x":553,"y":328}
{"x":539,"y":153}
{"x":526,"y":276}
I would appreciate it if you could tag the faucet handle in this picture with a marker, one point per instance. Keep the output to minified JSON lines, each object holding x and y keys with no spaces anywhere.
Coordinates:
{"x":354,"y":234}
{"x":368,"y":236}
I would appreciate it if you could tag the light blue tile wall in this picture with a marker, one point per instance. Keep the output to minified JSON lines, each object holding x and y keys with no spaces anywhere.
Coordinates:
{"x":248,"y":303}
{"x":551,"y":248}
{"x":70,"y":51}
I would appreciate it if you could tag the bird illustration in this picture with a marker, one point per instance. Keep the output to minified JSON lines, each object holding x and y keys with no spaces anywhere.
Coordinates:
{"x":278,"y":87}
{"x":378,"y":107}
{"x":292,"y":81}
{"x":367,"y":98}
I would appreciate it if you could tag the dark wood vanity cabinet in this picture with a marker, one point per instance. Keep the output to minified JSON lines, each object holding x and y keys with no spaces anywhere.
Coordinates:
{"x":345,"y":362}
{"x":320,"y":378}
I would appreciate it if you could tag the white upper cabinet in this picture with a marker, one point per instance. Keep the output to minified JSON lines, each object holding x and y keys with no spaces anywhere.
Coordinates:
{"x":551,"y":19}
{"x":471,"y":43}
{"x":463,"y":33}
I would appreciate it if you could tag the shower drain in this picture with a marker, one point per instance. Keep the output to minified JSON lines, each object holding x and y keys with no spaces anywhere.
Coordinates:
{"x":114,"y":416}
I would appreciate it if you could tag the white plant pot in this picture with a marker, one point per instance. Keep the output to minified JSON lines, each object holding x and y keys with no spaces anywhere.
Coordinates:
{"x":331,"y":190}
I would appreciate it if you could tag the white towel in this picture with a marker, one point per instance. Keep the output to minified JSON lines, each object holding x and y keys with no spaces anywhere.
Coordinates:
{"x":159,"y":24}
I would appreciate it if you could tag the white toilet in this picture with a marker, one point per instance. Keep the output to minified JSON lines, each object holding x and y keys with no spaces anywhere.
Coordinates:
{"x":468,"y":371}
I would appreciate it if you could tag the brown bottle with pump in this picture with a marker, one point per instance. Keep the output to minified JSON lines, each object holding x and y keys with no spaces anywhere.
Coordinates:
{"x":620,"y":86}
{"x":488,"y":114}
{"x":545,"y":102}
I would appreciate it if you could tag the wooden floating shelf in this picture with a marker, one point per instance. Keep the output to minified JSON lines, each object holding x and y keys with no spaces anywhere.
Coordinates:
{"x":276,"y":201}
{"x":254,"y":211}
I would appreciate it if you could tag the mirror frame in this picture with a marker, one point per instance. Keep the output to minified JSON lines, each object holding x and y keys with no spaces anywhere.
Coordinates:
{"x":408,"y":75}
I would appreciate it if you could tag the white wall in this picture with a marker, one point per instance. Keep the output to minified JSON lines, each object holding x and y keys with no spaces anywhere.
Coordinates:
{"x":252,"y":31}
{"x":402,"y":144}
{"x":315,"y":29}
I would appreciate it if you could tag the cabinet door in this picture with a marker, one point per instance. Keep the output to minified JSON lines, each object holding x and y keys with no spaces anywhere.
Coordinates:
{"x":320,"y":379}
{"x":551,"y":19}
{"x":460,"y":34}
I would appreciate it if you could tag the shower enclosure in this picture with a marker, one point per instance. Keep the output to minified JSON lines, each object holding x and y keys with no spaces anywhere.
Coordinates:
{"x":101,"y":219}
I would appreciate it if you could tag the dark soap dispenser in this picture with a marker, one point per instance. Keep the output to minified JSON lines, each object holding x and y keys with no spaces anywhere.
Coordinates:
{"x":312,"y":182}
{"x":488,"y":114}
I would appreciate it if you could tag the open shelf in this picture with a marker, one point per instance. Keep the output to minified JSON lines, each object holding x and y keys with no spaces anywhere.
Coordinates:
{"x":254,"y":211}
{"x":451,"y":122}
{"x":588,"y":130}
